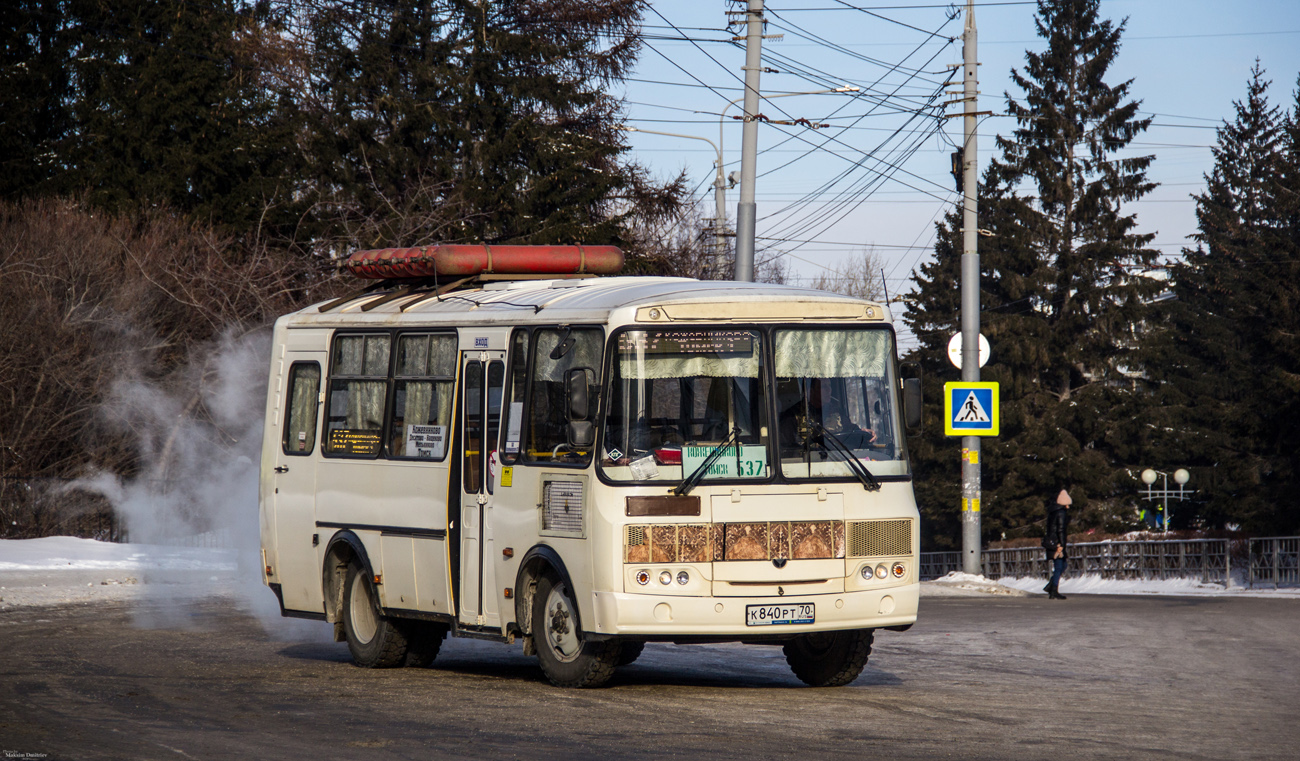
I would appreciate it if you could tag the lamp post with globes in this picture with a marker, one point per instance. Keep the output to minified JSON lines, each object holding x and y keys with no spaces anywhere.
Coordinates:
{"x":1164,"y":493}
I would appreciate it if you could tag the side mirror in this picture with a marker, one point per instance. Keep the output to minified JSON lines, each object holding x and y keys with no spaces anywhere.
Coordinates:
{"x":582,"y":434}
{"x":575,"y":389}
{"x":912,"y":403}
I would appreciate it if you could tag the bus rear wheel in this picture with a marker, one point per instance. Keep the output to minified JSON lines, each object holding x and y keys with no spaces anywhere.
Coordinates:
{"x":566,"y":657}
{"x":829,"y":659}
{"x":375,"y":641}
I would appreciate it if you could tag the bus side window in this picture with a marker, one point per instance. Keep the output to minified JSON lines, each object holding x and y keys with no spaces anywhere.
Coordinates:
{"x":548,"y":420}
{"x":300,"y":416}
{"x":357,"y":389}
{"x":516,"y":387}
{"x":423,"y":377}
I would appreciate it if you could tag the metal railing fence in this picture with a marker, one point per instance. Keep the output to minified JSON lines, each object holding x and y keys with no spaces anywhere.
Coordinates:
{"x":936,"y":564}
{"x":1273,"y":560}
{"x":1208,"y":560}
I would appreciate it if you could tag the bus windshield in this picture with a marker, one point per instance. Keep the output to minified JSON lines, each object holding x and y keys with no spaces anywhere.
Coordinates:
{"x":675,"y":395}
{"x":833,"y":398}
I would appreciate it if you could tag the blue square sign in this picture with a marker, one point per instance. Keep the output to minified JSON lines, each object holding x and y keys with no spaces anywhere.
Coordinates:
{"x":971,"y":409}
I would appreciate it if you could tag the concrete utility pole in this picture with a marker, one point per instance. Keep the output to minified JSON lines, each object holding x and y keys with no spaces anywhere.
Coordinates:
{"x":719,"y":188}
{"x":970,"y":300}
{"x":746,"y":211}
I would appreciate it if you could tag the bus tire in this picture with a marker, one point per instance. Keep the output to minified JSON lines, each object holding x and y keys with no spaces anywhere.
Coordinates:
{"x":566,"y":658}
{"x":375,"y":641}
{"x":630,"y":651}
{"x":829,"y":659}
{"x":423,"y":641}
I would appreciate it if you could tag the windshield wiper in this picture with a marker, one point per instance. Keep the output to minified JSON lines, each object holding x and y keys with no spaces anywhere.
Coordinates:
{"x":697,"y":475}
{"x":869,"y":481}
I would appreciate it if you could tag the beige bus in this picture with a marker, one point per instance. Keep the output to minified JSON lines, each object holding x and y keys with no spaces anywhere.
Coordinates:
{"x":591,"y":464}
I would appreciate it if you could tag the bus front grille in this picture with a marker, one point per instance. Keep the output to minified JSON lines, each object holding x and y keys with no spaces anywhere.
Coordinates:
{"x":869,"y":539}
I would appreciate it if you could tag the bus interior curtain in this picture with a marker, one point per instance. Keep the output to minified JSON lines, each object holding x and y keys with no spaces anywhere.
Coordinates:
{"x":831,"y":353}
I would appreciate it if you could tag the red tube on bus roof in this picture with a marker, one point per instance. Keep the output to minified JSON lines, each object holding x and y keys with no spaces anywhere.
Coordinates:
{"x":482,"y":259}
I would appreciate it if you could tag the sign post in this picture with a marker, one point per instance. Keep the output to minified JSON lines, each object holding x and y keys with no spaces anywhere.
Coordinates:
{"x":971,"y":410}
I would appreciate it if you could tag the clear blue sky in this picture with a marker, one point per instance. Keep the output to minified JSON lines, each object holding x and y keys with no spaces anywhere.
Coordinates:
{"x":1188,"y":61}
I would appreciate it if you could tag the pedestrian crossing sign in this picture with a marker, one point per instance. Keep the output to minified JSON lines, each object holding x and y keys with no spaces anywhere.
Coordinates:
{"x":971,"y":409}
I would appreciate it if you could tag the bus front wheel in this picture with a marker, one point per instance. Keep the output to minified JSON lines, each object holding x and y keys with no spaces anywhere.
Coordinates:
{"x":829,"y":659}
{"x":375,"y":641}
{"x":566,"y":657}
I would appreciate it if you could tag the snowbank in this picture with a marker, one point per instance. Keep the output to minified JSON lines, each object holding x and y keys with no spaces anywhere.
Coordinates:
{"x":958,"y":584}
{"x":69,"y":553}
{"x":63,"y":570}
{"x":1094,"y":584}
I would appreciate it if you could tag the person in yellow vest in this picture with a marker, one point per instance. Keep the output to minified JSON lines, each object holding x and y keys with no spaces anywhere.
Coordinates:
{"x":1054,"y":542}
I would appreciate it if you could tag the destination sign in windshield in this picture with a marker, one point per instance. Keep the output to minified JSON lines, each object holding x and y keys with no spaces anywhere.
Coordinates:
{"x":720,"y":342}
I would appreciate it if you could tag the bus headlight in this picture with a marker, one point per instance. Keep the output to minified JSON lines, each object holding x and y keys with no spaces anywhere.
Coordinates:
{"x":881,"y":571}
{"x":867,"y":572}
{"x":899,"y":570}
{"x":665,"y":577}
{"x":683,"y":578}
{"x":643,"y":577}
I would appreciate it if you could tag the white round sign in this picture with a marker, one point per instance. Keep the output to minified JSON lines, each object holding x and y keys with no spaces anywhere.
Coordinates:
{"x":954,"y":350}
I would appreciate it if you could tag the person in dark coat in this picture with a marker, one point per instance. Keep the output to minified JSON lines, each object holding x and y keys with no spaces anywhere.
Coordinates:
{"x":1058,"y":528}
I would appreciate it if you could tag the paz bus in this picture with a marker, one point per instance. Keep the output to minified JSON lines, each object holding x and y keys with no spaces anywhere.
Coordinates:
{"x":492,"y":442}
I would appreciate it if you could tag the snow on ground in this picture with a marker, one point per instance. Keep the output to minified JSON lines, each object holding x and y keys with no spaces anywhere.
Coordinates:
{"x":957,"y":584}
{"x":1095,"y":585}
{"x":62,"y":570}
{"x":66,"y":552}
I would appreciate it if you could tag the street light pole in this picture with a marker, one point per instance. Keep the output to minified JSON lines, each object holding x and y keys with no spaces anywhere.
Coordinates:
{"x":719,"y":195}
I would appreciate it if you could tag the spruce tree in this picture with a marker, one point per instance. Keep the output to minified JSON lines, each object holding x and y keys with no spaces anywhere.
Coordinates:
{"x":171,"y":110}
{"x":35,"y":93}
{"x":1230,"y":350}
{"x":475,"y":121}
{"x":134,"y":105}
{"x":1062,"y":291}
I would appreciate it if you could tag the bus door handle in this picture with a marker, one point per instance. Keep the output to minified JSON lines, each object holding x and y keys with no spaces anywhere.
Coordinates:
{"x":281,"y":468}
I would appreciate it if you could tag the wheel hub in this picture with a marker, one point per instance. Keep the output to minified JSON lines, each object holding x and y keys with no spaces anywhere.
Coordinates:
{"x":561,"y":634}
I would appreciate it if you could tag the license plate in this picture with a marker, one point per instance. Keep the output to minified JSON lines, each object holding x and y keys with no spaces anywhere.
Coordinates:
{"x":777,"y":615}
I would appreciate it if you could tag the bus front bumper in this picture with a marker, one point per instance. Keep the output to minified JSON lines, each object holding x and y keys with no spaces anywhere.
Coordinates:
{"x":622,"y":614}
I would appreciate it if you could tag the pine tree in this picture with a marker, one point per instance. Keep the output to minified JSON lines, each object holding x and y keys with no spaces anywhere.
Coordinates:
{"x":1061,"y":288}
{"x":1231,"y":348}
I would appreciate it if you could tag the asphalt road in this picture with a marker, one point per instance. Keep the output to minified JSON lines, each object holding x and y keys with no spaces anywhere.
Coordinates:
{"x":1091,"y":677}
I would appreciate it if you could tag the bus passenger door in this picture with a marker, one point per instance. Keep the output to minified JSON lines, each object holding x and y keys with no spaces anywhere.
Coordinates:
{"x":484,"y":373}
{"x":293,"y":480}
